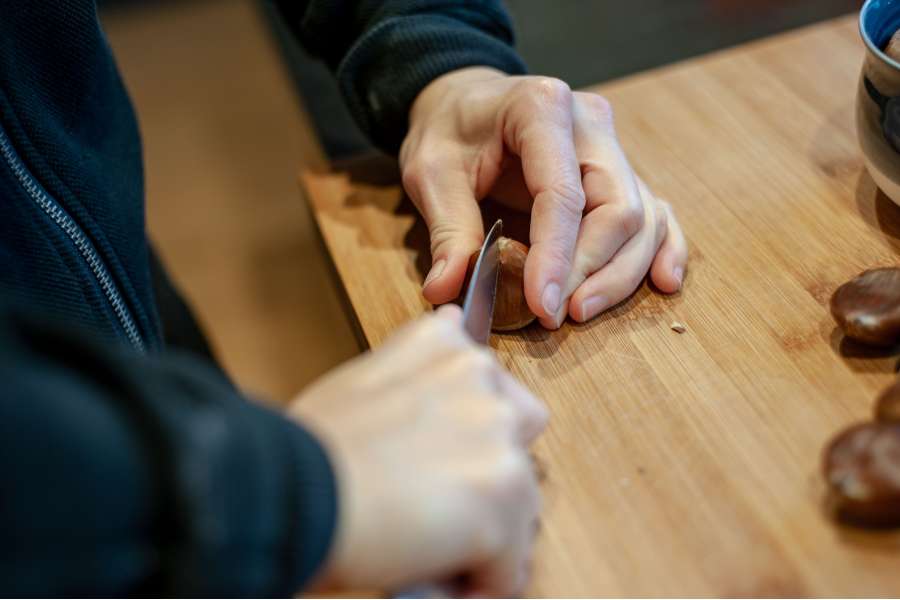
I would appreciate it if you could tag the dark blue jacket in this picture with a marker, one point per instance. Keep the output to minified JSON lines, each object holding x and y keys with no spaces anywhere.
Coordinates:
{"x":128,"y":468}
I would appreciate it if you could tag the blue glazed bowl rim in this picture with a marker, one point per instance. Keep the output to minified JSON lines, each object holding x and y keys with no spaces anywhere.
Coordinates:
{"x":868,"y":40}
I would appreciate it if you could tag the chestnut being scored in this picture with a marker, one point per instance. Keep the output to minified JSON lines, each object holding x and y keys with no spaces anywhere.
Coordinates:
{"x":511,"y":311}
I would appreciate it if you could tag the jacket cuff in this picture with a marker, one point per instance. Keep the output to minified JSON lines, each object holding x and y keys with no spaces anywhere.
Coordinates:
{"x":255,"y":499}
{"x":386,"y":69}
{"x":315,"y":499}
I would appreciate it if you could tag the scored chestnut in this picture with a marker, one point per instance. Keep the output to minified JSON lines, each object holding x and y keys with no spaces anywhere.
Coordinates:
{"x":862,"y":468}
{"x":887,"y":407}
{"x":511,"y":311}
{"x":867,"y":308}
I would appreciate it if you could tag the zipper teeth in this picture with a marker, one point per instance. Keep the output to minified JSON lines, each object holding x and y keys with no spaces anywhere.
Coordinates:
{"x":84,"y":246}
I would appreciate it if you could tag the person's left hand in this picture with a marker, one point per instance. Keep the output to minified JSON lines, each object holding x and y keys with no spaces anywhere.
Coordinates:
{"x":532,"y":143}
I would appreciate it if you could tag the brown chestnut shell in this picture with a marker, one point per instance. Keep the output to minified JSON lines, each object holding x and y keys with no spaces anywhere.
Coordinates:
{"x":511,"y":311}
{"x":867,"y":308}
{"x":862,"y":469}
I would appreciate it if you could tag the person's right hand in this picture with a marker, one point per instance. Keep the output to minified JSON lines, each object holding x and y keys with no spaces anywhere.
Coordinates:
{"x":428,"y":436}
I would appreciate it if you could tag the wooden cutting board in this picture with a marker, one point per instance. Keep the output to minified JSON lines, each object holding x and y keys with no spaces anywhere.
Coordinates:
{"x":688,"y":464}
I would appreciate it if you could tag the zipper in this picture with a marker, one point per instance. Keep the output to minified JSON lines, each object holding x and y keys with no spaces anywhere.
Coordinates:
{"x":84,"y":246}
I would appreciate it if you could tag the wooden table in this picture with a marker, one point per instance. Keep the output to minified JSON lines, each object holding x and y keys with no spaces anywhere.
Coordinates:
{"x":689,"y":464}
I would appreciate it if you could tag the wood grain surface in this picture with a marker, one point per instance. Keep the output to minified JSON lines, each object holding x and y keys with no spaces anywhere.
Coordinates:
{"x":688,"y":464}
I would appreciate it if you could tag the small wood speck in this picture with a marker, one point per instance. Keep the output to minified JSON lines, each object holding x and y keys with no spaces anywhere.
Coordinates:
{"x":678,"y":327}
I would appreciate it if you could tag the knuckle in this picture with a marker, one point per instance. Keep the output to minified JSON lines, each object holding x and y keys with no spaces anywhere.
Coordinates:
{"x":633,"y":282}
{"x":598,"y":106}
{"x":438,"y":333}
{"x":661,"y":216}
{"x":631,"y":219}
{"x":569,"y":196}
{"x":500,"y":419}
{"x":508,"y":473}
{"x":514,"y":476}
{"x":533,"y":423}
{"x":626,"y":285}
{"x":555,"y":251}
{"x":413,"y":178}
{"x":445,"y":231}
{"x":508,"y":489}
{"x":434,"y":327}
{"x":554,"y":89}
{"x":540,"y":416}
{"x":480,"y":361}
{"x":418,"y":171}
{"x":548,"y":91}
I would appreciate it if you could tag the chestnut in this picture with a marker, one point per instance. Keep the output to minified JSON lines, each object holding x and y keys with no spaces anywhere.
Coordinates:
{"x":867,"y":308}
{"x":862,"y":469}
{"x":511,"y":311}
{"x":887,"y":407}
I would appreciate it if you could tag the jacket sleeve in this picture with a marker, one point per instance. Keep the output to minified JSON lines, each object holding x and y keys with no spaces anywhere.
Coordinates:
{"x":384,"y":52}
{"x":124,"y":475}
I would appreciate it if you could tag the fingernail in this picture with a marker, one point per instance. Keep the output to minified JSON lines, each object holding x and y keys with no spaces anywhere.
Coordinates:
{"x":435,"y":272}
{"x":550,"y":299}
{"x":678,"y":274}
{"x":561,"y":314}
{"x":592,"y":306}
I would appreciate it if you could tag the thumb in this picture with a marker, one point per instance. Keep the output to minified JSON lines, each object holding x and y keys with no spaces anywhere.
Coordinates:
{"x":447,"y":203}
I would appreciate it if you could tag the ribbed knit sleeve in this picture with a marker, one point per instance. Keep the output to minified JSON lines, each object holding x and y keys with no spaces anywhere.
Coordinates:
{"x":385,"y":52}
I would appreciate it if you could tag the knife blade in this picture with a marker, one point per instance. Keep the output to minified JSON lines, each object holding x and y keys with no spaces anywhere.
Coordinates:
{"x":478,"y":306}
{"x":478,"y":316}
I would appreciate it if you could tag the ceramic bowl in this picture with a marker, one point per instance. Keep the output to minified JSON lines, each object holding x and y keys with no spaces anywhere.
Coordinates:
{"x":878,"y":99}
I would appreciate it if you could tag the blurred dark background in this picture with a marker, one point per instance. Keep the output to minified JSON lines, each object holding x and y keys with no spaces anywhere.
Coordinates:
{"x":581,"y":41}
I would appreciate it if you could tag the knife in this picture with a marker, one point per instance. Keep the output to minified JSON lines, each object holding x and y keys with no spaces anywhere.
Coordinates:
{"x":478,"y":315}
{"x":478,"y":306}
